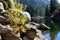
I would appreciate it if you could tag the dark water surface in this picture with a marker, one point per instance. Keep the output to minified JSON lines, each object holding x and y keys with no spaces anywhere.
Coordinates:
{"x":54,"y":33}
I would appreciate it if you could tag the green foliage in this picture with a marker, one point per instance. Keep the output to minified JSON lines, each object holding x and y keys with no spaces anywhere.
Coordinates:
{"x":14,"y":15}
{"x":33,"y":10}
{"x":47,"y":11}
{"x":53,"y":5}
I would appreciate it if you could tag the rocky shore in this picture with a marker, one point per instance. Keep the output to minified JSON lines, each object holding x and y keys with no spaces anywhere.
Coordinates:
{"x":7,"y":34}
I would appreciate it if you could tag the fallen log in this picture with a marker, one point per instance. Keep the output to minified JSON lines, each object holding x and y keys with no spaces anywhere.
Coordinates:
{"x":41,"y":26}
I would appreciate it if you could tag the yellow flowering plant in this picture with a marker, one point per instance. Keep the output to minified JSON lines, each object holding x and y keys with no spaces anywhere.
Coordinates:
{"x":14,"y":15}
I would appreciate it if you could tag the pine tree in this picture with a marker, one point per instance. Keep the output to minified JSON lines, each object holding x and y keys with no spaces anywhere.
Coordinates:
{"x":47,"y":11}
{"x":53,"y":6}
{"x":33,"y":10}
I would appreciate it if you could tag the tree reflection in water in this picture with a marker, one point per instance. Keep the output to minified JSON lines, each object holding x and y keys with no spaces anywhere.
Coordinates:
{"x":52,"y":34}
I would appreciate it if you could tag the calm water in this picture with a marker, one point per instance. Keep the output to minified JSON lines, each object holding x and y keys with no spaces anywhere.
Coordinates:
{"x":54,"y":33}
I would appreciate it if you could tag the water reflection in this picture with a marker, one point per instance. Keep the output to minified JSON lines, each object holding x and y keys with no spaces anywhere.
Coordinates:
{"x":54,"y":33}
{"x":47,"y":35}
{"x":58,"y":36}
{"x":55,"y":30}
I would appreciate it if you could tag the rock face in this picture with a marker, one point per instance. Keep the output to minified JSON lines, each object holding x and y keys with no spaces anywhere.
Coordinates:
{"x":31,"y":34}
{"x":6,"y":32}
{"x":11,"y":36}
{"x":36,"y":38}
{"x":56,"y":14}
{"x":40,"y":3}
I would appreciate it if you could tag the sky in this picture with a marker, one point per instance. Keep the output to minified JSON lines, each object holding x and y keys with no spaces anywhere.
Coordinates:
{"x":59,"y":1}
{"x":48,"y":0}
